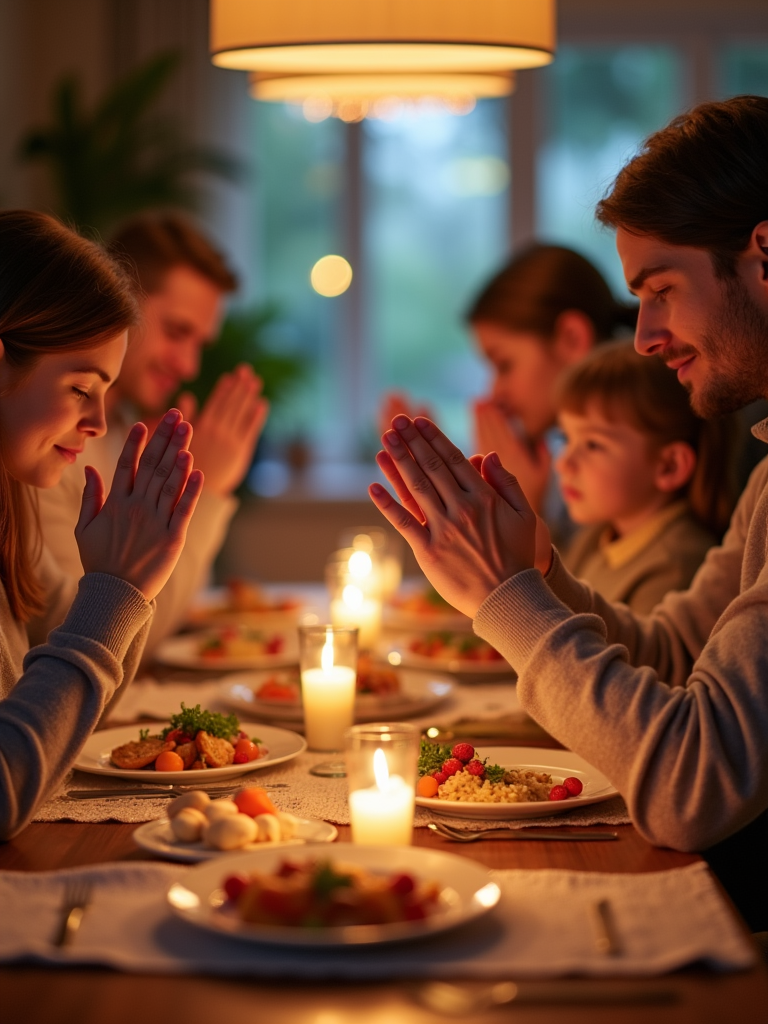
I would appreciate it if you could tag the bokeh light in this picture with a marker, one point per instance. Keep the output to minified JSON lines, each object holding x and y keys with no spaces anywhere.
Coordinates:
{"x":331,"y":276}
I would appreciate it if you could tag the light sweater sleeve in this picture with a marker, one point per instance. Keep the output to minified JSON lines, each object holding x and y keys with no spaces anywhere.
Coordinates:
{"x":688,"y":759}
{"x":65,"y":687}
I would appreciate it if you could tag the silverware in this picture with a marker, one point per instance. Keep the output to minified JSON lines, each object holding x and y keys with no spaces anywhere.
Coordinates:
{"x":155,"y":792}
{"x":77,"y":896}
{"x":450,"y":1000}
{"x":457,"y":836}
{"x":607,"y":937}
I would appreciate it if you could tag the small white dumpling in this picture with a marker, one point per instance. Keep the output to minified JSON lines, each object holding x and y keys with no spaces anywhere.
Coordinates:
{"x":196,"y":799}
{"x":217,"y":809}
{"x":288,"y":824}
{"x":188,"y":825}
{"x":268,"y":827}
{"x":231,"y":832}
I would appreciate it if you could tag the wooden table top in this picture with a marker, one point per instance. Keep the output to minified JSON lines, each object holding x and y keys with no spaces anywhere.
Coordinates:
{"x":95,"y":996}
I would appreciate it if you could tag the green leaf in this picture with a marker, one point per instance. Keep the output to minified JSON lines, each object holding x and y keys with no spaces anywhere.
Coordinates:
{"x":193,"y":720}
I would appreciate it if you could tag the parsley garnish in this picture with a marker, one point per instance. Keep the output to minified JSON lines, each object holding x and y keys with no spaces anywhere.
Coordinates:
{"x":193,"y":720}
{"x":143,"y":734}
{"x":494,"y":772}
{"x":432,"y":755}
{"x":327,"y":879}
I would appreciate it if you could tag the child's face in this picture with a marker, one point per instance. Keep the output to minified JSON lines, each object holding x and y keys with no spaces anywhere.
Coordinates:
{"x":608,"y":470}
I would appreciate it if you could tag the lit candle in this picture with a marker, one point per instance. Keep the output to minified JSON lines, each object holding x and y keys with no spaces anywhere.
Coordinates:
{"x":328,"y":695}
{"x":354,"y":609}
{"x":382,"y":815}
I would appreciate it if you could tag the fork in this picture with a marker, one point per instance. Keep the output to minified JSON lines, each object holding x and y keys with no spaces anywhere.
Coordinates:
{"x":77,"y":896}
{"x":156,"y":792}
{"x":524,"y":833}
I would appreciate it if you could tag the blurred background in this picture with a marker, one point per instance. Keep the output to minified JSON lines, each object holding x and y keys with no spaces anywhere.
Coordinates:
{"x":110,"y":106}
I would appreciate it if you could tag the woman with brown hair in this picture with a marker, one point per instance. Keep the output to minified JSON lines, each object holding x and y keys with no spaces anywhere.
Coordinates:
{"x":65,"y":309}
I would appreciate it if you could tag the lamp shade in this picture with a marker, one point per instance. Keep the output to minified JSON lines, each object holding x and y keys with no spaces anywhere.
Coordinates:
{"x":365,"y":86}
{"x":321,"y":37}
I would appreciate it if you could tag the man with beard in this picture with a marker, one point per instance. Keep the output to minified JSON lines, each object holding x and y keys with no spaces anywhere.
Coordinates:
{"x":182,"y":282}
{"x":672,"y":707}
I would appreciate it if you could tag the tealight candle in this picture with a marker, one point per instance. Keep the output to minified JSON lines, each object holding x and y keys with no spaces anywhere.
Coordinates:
{"x":382,"y":814}
{"x":353,"y":608}
{"x":328,"y":690}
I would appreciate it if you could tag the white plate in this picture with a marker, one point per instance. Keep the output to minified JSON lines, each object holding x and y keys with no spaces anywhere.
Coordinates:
{"x":156,"y":837}
{"x":419,"y":691}
{"x":94,"y":757}
{"x":559,"y":763}
{"x":212,"y":608}
{"x":402,"y":619}
{"x":397,"y":652}
{"x":468,"y":892}
{"x":182,"y":652}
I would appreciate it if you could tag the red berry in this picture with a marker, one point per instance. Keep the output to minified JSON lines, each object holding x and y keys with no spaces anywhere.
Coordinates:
{"x":440,"y":777}
{"x":574,"y":786}
{"x":463,"y":751}
{"x":451,"y":766}
{"x":235,"y":886}
{"x":241,"y":757}
{"x":558,"y":793}
{"x":475,"y":767}
{"x":402,"y":885}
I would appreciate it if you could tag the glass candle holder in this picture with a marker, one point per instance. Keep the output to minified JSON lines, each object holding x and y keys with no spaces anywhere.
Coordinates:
{"x":354,"y":587}
{"x":328,"y":666}
{"x":384,"y":546}
{"x":381,"y":771}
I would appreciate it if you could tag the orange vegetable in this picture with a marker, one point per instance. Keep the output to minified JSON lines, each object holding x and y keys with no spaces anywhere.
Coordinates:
{"x":426,"y":786}
{"x":254,"y":801}
{"x":169,"y":761}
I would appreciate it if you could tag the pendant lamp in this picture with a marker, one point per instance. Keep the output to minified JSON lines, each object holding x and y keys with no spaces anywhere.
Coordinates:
{"x":342,"y":52}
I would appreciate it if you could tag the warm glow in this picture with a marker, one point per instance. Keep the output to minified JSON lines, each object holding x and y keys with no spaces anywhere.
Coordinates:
{"x":381,"y":769}
{"x":360,"y":564}
{"x":331,"y":276}
{"x":326,"y":655}
{"x":352,"y":596}
{"x":366,"y":87}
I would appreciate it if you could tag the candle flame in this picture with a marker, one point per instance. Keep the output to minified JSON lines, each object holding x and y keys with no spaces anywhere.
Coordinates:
{"x":381,"y":769}
{"x":352,"y":596}
{"x":360,"y":564}
{"x":326,"y":655}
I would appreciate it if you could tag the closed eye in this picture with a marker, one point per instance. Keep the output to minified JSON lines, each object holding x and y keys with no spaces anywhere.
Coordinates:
{"x":79,"y":393}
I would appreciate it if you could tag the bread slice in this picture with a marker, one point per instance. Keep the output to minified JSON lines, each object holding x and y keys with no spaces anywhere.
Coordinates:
{"x":215,"y":752}
{"x":140,"y":753}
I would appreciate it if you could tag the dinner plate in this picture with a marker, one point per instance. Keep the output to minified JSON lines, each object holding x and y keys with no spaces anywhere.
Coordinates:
{"x":419,"y":691}
{"x":156,"y":837}
{"x":560,"y":764}
{"x":94,"y":757}
{"x":398,"y":653}
{"x":398,"y":618}
{"x":183,"y":652}
{"x":212,"y":608}
{"x":467,"y":893}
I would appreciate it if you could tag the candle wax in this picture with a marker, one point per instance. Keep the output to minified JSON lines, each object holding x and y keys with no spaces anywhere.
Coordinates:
{"x":367,"y":618}
{"x":383,"y":817}
{"x":328,"y":696}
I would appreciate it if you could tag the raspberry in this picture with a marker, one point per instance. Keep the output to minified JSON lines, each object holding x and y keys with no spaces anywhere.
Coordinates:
{"x":463,"y":751}
{"x":574,"y":786}
{"x":475,"y":767}
{"x":451,"y":766}
{"x":440,"y":777}
{"x":558,"y":793}
{"x":402,"y":885}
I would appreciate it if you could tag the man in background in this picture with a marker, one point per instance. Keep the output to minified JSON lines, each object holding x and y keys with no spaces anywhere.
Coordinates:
{"x":182,"y":282}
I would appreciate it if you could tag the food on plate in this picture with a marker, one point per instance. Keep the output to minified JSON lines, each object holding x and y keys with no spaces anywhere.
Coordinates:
{"x":194,"y":739}
{"x":454,"y":773}
{"x":326,"y":893}
{"x":240,"y":642}
{"x":285,"y":687}
{"x":427,"y":603}
{"x":245,"y":596}
{"x":447,"y":646}
{"x":249,"y":817}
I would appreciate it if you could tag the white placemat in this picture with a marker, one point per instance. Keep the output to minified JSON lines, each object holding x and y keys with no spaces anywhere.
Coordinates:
{"x":542,"y":928}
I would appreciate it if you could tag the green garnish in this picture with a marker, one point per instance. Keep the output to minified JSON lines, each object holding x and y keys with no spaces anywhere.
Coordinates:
{"x":469,"y":643}
{"x":143,"y":734}
{"x":432,"y":755}
{"x":494,"y":772}
{"x":255,"y":739}
{"x":326,"y":880}
{"x":192,"y":720}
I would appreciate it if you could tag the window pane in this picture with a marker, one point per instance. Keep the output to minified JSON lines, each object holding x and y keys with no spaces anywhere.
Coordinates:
{"x":744,"y":70}
{"x":436,"y":224}
{"x":299,"y":170}
{"x":599,"y":104}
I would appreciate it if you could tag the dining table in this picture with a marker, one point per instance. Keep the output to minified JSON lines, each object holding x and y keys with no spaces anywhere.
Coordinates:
{"x":694,"y":994}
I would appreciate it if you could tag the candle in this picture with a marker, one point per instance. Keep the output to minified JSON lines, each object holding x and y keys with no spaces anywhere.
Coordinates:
{"x":353,"y":608}
{"x":328,"y":695}
{"x":382,"y":815}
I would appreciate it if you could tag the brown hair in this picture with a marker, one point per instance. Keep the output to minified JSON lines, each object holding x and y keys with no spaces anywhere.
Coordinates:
{"x":700,"y":182}
{"x":151,"y":244}
{"x":642,"y":391}
{"x":540,"y":283}
{"x":57,"y":292}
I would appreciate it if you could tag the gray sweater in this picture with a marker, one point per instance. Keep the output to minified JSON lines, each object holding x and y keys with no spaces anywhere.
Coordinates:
{"x":673,"y":707}
{"x":53,"y":695}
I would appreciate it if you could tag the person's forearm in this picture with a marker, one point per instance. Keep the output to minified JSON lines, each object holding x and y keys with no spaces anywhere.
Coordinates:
{"x":689,"y":760}
{"x":66,"y":685}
